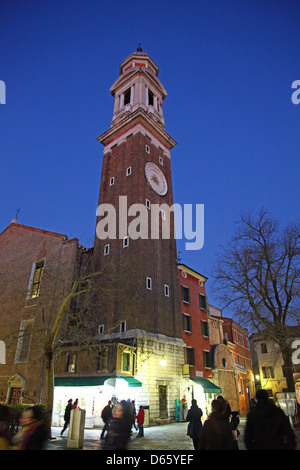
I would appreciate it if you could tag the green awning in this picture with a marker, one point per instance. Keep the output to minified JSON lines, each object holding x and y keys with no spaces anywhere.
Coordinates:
{"x":132,"y":382}
{"x":92,"y":381}
{"x":207,"y":385}
{"x":80,"y":381}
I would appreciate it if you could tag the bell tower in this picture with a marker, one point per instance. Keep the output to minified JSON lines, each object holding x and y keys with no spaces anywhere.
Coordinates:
{"x":136,"y":185}
{"x":138,"y":87}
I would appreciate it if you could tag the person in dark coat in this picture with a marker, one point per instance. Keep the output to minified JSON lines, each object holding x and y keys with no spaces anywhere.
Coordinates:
{"x":106,"y":415}
{"x":216,"y":433}
{"x":226,"y":407}
{"x":194,"y":417}
{"x":235,"y":421}
{"x":67,"y":415}
{"x":119,"y":428}
{"x":267,"y":427}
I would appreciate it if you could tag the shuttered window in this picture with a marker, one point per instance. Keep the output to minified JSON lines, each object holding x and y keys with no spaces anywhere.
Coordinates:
{"x":185,"y":294}
{"x":35,"y":285}
{"x":23,"y":346}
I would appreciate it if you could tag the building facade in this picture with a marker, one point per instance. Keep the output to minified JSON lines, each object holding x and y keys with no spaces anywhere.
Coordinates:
{"x":196,"y":335}
{"x":268,"y":363}
{"x":231,"y":360}
{"x":237,"y":339}
{"x":217,"y":353}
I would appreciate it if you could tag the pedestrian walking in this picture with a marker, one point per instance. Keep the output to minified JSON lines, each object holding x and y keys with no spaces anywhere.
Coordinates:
{"x":226,"y":407}
{"x":33,"y":435}
{"x":67,"y":415}
{"x":235,"y":421}
{"x":140,"y":418}
{"x":106,"y":416}
{"x":216,"y":433}
{"x":132,"y":413}
{"x":195,"y":424}
{"x":119,"y":428}
{"x":267,"y":427}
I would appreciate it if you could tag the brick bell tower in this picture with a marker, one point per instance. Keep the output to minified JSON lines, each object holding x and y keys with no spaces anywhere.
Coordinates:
{"x":136,"y":170}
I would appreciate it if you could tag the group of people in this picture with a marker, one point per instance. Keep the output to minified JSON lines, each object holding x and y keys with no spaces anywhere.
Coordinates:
{"x":267,"y":427}
{"x":118,"y":422}
{"x":32,"y":434}
{"x":67,"y":416}
{"x":219,"y":431}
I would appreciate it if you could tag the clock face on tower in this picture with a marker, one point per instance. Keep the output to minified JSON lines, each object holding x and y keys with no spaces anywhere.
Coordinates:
{"x":156,"y":179}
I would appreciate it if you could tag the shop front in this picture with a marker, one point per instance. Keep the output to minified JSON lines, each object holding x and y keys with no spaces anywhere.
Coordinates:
{"x":204,"y":391}
{"x":93,"y":394}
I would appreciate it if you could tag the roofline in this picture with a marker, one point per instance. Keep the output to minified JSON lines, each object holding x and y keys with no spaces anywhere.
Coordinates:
{"x":192,"y":271}
{"x":35,"y":229}
{"x":233,"y":322}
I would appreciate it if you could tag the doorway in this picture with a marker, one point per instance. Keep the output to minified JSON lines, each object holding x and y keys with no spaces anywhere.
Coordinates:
{"x":15,"y":396}
{"x":163,"y":404}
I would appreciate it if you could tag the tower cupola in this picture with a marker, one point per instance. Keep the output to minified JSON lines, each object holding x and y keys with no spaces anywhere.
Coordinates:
{"x":138,"y":87}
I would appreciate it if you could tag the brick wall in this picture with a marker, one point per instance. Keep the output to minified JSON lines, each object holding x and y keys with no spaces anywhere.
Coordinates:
{"x":20,"y":247}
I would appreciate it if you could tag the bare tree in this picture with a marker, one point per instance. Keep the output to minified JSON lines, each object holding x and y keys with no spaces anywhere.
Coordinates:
{"x":258,"y":276}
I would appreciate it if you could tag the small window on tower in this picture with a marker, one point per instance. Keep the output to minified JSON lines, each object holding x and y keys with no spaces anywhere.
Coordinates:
{"x":106,"y":250}
{"x":151,"y":98}
{"x":112,"y":181}
{"x":149,"y":283}
{"x":128,"y":171}
{"x":127,"y":97}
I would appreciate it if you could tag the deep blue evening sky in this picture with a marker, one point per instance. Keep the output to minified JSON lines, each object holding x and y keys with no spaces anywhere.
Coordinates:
{"x":227,"y":66}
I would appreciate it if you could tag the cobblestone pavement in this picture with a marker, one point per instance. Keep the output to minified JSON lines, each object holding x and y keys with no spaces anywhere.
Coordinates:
{"x":165,"y":437}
